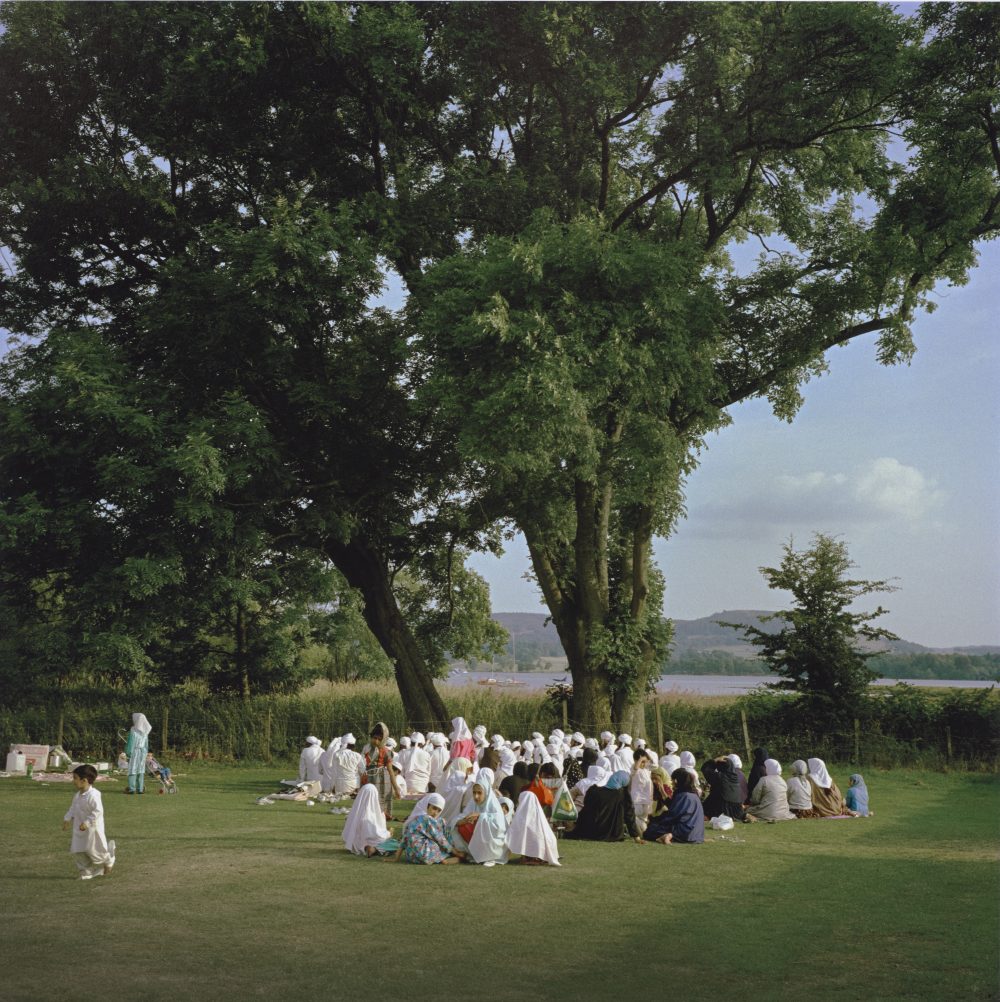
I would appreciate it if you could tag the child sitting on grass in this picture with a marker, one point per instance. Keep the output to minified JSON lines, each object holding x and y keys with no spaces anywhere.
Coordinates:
{"x":425,"y":838}
{"x":93,"y":853}
{"x":857,"y":797}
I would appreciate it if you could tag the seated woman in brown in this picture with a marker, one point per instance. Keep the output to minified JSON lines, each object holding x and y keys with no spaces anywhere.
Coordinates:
{"x":827,"y":800}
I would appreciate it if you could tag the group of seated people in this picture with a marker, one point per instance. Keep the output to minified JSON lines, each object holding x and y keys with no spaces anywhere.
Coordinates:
{"x":582,"y":789}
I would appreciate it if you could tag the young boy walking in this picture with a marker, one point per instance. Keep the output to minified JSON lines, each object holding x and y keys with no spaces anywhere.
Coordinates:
{"x":90,"y":848}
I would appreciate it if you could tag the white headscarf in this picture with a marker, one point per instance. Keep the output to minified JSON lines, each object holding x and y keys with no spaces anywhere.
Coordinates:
{"x":427,"y":800}
{"x":687,"y":759}
{"x":460,"y":729}
{"x":348,"y":739}
{"x":818,"y":773}
{"x":438,"y":740}
{"x":313,"y":740}
{"x":530,"y":834}
{"x":736,"y":760}
{"x":404,"y":742}
{"x":596,"y":776}
{"x":671,"y":746}
{"x":365,"y":825}
{"x":140,"y":724}
{"x":417,"y":738}
{"x":772,"y":767}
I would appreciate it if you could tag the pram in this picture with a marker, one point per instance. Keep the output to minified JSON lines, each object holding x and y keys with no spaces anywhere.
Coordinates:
{"x":162,"y":773}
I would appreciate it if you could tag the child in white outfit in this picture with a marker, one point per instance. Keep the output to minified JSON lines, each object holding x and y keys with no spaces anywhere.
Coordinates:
{"x":90,"y":848}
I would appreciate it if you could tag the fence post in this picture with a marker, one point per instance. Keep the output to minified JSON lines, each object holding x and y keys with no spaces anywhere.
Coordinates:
{"x":659,"y":728}
{"x":947,"y":738}
{"x":59,"y":736}
{"x":746,"y":734}
{"x":267,"y":736}
{"x":565,"y":708}
{"x":857,"y":741}
{"x":163,"y":734}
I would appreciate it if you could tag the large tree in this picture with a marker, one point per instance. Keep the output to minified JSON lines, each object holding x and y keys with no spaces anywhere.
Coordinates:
{"x":601,"y":317}
{"x":209,"y":194}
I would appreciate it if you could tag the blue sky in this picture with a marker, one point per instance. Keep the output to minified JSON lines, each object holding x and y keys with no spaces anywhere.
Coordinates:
{"x":901,"y":462}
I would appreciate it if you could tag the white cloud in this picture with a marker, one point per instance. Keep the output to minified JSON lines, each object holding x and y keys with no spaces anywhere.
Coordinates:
{"x":894,"y":489}
{"x":877,"y":492}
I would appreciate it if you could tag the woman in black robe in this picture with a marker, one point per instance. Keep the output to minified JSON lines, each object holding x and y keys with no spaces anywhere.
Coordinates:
{"x":574,"y":769}
{"x":516,"y":782}
{"x":726,"y":794}
{"x":607,"y":813}
{"x":757,"y":770}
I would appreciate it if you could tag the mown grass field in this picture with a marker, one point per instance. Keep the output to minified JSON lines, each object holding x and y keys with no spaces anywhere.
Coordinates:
{"x":215,"y":897}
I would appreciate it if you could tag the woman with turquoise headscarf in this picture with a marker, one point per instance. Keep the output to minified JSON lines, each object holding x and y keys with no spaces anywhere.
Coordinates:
{"x":607,"y":812}
{"x":857,"y":796}
{"x":488,"y":841}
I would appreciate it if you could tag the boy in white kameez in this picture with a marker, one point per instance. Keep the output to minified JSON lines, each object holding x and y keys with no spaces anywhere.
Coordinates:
{"x":90,"y":848}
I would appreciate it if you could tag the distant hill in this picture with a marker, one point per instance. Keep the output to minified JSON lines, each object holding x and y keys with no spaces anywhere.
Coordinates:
{"x":534,"y":636}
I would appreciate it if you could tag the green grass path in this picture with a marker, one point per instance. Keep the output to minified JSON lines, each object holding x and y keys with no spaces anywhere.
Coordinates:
{"x":215,"y":896}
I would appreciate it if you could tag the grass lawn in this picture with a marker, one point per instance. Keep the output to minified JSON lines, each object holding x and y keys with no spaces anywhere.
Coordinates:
{"x":214,"y":896}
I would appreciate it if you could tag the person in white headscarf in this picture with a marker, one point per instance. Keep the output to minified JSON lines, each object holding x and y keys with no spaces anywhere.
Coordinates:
{"x":309,"y":760}
{"x":555,"y":752}
{"x":456,"y":790}
{"x":641,"y":789}
{"x":439,"y":760}
{"x":327,"y":767}
{"x":348,"y":766}
{"x":671,"y":760}
{"x":530,"y":835}
{"x":462,"y":743}
{"x":623,"y":759}
{"x":136,"y":748}
{"x":827,"y":800}
{"x":769,"y":800}
{"x":479,"y":738}
{"x":418,"y":766}
{"x":425,"y":836}
{"x":482,"y":832}
{"x":506,"y":768}
{"x":688,"y":762}
{"x":608,"y":746}
{"x":596,"y":776}
{"x":365,"y":831}
{"x":402,"y":757}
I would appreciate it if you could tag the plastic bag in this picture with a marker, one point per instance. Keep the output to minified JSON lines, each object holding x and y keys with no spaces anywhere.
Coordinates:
{"x":723,"y":823}
{"x":563,"y":808}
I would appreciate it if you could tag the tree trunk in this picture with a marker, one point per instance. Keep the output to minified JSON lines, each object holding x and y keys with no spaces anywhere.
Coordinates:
{"x":364,"y":570}
{"x":242,"y":668}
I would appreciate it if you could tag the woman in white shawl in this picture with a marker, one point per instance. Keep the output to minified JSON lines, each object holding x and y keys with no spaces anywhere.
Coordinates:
{"x":328,"y":766}
{"x":365,"y":831}
{"x":439,"y":760}
{"x":506,"y":767}
{"x":688,"y":762}
{"x":488,"y":843}
{"x":530,"y":835}
{"x":455,"y":790}
{"x":769,"y":800}
{"x":137,"y":748}
{"x":596,"y":776}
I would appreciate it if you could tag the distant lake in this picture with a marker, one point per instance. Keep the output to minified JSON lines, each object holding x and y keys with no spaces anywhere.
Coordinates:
{"x":703,"y":685}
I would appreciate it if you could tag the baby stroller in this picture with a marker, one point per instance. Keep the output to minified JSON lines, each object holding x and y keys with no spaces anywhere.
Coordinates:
{"x":162,"y":773}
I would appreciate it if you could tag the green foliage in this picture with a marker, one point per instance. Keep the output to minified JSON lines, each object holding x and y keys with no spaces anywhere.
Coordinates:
{"x":816,"y":651}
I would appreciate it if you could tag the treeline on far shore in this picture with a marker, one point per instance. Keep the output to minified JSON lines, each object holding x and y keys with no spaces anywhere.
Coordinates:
{"x":929,"y":665}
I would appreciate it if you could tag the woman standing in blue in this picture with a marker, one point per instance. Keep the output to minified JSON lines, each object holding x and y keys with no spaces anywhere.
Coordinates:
{"x":136,"y":748}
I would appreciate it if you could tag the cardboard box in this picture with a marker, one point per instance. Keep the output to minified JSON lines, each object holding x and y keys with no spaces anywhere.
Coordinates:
{"x":37,"y":755}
